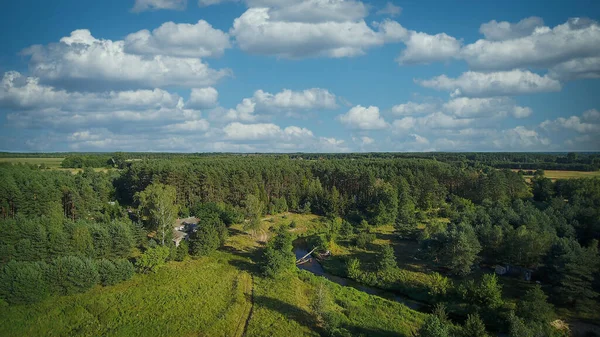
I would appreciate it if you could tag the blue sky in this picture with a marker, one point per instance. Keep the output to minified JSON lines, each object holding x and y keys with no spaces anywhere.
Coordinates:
{"x":291,"y":76}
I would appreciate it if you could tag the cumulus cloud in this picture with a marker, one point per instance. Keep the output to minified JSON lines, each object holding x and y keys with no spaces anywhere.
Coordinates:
{"x":543,"y":47}
{"x":314,"y":98}
{"x":464,"y":107}
{"x":82,"y":61}
{"x":390,"y":9}
{"x":412,"y":108}
{"x":425,"y":48}
{"x":203,"y":98}
{"x":586,"y":67}
{"x":145,"y":5}
{"x":500,"y":31}
{"x":504,"y":83}
{"x":363,"y":118}
{"x":256,"y":32}
{"x":30,"y":104}
{"x":179,"y":39}
{"x":520,"y":138}
{"x":588,"y":122}
{"x":262,"y":103}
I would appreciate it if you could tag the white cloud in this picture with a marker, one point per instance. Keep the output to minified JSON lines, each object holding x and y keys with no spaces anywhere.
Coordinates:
{"x":543,"y":47}
{"x":82,"y":61}
{"x":264,"y":131}
{"x":145,"y":5}
{"x":591,"y":115}
{"x":500,"y":31}
{"x":203,"y":98}
{"x":464,"y":107}
{"x":425,"y":48}
{"x":200,"y":125}
{"x":179,"y":39}
{"x":363,"y":118}
{"x":412,"y":108}
{"x":390,"y":9}
{"x":262,"y":103}
{"x":291,"y":29}
{"x":586,"y":67}
{"x":314,"y":98}
{"x":30,"y":104}
{"x":589,"y":122}
{"x":505,"y":83}
{"x":312,"y":11}
{"x":520,"y":138}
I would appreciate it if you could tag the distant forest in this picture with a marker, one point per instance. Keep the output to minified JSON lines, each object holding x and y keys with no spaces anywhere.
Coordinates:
{"x":573,"y":161}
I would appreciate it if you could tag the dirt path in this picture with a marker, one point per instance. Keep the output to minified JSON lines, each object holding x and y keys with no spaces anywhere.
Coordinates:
{"x":242,"y":324}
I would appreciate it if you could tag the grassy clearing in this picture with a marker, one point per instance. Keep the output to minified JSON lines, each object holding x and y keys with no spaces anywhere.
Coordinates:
{"x":220,"y":295}
{"x":204,"y":297}
{"x":555,"y":175}
{"x":281,"y":308}
{"x":49,"y":162}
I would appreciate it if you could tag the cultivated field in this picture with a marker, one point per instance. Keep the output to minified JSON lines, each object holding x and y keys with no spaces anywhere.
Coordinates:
{"x":554,"y":175}
{"x":49,"y":162}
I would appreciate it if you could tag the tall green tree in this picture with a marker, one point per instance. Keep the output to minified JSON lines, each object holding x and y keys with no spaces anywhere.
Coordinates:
{"x":158,"y":205}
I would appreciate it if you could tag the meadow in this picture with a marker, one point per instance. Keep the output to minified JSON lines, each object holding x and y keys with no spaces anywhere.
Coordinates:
{"x":555,"y":174}
{"x":220,"y":295}
{"x":52,"y":163}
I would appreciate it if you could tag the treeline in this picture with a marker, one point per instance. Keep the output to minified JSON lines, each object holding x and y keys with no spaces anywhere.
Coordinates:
{"x":42,"y":256}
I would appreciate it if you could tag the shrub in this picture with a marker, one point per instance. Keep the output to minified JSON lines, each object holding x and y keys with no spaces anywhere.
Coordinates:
{"x":364,"y":239}
{"x":23,"y":282}
{"x":107,"y":272}
{"x":152,"y":259}
{"x":124,"y":269}
{"x":71,"y":274}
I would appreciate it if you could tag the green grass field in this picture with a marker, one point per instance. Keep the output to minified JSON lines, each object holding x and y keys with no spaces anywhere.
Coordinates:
{"x":554,"y":175}
{"x":49,"y":162}
{"x":220,"y":295}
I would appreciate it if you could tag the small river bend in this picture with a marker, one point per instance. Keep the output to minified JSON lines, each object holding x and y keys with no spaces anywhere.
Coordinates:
{"x":301,"y":249}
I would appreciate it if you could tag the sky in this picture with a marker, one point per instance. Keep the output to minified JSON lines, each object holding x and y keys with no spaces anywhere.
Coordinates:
{"x":299,"y":75}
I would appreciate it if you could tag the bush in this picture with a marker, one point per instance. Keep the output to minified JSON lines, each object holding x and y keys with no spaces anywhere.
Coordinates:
{"x":107,"y":272}
{"x":23,"y":282}
{"x":71,"y":274}
{"x":182,"y":251}
{"x":153,"y":259}
{"x":364,"y":239}
{"x":124,"y":269}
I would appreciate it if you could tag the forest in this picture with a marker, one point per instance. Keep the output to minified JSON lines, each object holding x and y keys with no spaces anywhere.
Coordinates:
{"x":470,"y":246}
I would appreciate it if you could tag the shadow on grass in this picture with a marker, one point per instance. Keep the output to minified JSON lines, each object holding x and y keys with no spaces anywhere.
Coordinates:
{"x":291,"y":312}
{"x":373,"y":332}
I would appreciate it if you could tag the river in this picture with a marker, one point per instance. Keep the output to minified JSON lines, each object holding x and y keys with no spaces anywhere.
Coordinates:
{"x":315,"y":267}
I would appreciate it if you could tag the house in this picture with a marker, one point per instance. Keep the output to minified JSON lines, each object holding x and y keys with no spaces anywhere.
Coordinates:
{"x":514,"y":271}
{"x":182,"y":229}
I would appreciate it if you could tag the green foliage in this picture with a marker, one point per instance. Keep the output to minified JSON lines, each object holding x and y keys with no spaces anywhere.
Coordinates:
{"x":474,"y":327}
{"x":70,"y":274}
{"x":456,"y":248}
{"x":209,"y":236}
{"x":278,"y":258}
{"x":486,"y":294}
{"x":434,"y":327}
{"x":152,"y":259}
{"x":353,"y":268}
{"x":387,"y":259}
{"x":439,"y":285}
{"x":362,"y":240}
{"x":23,"y":282}
{"x":571,"y":271}
{"x":107,"y":272}
{"x":182,"y":251}
{"x":157,"y":203}
{"x":534,"y":306}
